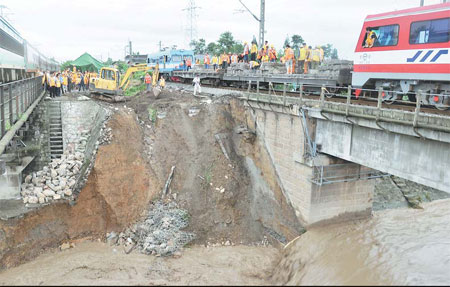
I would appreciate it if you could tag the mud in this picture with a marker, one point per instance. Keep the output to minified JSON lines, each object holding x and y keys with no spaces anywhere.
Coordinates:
{"x":97,"y":263}
{"x":224,"y":200}
{"x":101,"y":206}
{"x":395,"y":247}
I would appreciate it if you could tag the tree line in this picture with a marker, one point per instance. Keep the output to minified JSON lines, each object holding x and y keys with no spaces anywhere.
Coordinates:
{"x":227,"y":43}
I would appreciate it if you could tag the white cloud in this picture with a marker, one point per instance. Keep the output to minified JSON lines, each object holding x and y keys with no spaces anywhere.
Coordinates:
{"x":66,"y":29}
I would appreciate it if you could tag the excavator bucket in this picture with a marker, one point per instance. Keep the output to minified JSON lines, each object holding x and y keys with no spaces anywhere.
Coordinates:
{"x":156,"y":91}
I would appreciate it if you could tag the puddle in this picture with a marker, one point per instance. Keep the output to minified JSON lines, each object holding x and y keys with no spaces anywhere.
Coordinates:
{"x":161,"y":115}
{"x":194,"y":111}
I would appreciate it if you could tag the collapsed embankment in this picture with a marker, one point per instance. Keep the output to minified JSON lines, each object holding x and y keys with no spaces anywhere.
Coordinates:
{"x":117,"y":192}
{"x":223,"y":178}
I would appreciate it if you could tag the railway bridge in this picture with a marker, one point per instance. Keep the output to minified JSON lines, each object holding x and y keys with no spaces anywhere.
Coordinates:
{"x":326,"y":153}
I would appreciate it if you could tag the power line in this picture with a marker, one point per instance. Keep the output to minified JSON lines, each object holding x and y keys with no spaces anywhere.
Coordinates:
{"x":261,"y":19}
{"x":192,"y":20}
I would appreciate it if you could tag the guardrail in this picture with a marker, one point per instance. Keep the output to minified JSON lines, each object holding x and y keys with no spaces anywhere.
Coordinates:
{"x":15,"y":98}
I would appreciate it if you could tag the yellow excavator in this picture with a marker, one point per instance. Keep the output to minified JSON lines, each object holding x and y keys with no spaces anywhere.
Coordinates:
{"x":108,"y":86}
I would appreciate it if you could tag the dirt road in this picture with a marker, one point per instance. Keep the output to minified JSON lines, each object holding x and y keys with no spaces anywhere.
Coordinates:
{"x":94,"y":263}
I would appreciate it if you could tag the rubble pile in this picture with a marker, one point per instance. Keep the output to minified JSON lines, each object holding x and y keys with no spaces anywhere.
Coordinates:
{"x":159,"y":234}
{"x":55,"y":181}
{"x":106,"y":136}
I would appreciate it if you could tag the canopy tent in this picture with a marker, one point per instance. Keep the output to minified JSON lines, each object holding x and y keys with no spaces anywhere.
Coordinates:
{"x":87,"y":63}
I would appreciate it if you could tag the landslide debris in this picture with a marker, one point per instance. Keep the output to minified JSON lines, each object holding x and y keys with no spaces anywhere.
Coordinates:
{"x":159,"y":234}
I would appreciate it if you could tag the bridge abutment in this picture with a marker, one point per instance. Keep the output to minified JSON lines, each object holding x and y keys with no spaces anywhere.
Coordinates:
{"x":321,"y":188}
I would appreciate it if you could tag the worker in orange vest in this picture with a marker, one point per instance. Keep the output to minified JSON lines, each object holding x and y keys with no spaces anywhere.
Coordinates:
{"x":207,"y":61}
{"x":272,"y":54}
{"x":289,"y":57}
{"x":148,"y":81}
{"x":188,"y":63}
{"x":246,"y":51}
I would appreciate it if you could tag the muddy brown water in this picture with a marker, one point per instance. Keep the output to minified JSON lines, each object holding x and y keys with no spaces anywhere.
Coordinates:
{"x":394,"y":247}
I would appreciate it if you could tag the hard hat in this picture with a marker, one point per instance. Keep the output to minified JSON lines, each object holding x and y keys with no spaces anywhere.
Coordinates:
{"x":271,"y":46}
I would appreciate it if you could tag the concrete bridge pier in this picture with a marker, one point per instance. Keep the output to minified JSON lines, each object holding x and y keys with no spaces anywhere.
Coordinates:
{"x":321,"y":188}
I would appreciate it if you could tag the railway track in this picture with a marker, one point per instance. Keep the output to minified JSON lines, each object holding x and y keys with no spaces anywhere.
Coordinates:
{"x":335,"y":97}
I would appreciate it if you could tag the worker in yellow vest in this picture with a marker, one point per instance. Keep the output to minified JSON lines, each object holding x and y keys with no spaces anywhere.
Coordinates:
{"x":64,"y":83}
{"x":308,"y":60}
{"x":74,"y":80}
{"x":58,"y":85}
{"x":315,"y":58}
{"x":86,"y":81}
{"x":52,"y":85}
{"x":302,"y":56}
{"x":265,"y":59}
{"x":214,"y":62}
{"x":162,"y":82}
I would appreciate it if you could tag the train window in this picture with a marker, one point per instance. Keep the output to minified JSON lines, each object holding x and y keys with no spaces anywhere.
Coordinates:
{"x":176,"y":58}
{"x":381,"y":36}
{"x":430,"y":31}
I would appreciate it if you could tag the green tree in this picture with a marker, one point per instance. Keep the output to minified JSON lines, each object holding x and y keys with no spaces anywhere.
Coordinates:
{"x":212,"y":48}
{"x":238,"y":48}
{"x":334,"y":54}
{"x":66,"y":65}
{"x":286,"y":42}
{"x":199,"y":46}
{"x":296,"y":41}
{"x":225,"y":42}
{"x":108,"y":62}
{"x":329,"y":52}
{"x":122,"y":66}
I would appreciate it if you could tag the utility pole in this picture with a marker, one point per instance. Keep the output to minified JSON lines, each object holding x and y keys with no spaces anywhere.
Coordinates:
{"x":261,"y":20}
{"x":160,"y":46}
{"x":421,"y":3}
{"x":192,"y":20}
{"x":131,"y":49}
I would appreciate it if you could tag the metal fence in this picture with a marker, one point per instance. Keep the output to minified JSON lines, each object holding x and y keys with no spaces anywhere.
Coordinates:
{"x":346,"y":172}
{"x":15,"y":98}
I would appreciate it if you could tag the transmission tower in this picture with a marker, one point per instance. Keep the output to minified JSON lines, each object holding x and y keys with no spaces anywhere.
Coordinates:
{"x":191,"y":31}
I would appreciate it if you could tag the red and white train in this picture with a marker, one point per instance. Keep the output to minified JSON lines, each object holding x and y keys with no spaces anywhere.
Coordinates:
{"x":406,"y":51}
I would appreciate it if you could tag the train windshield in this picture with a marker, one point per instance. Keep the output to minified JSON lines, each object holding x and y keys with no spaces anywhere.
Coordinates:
{"x":430,"y":31}
{"x":381,"y":36}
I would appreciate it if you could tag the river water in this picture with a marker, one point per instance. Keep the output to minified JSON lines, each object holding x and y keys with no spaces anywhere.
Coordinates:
{"x":394,"y":247}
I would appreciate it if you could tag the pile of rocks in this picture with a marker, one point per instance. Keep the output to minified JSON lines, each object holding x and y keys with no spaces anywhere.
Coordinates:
{"x":106,"y":136}
{"x":159,"y":234}
{"x":55,"y":181}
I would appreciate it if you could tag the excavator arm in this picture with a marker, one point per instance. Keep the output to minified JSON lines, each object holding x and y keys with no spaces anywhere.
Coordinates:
{"x":130,"y":71}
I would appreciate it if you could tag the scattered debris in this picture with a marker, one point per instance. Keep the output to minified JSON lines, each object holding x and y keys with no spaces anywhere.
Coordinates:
{"x":219,"y":140}
{"x":169,"y":180}
{"x":193,"y":111}
{"x":160,"y":233}
{"x":55,"y":181}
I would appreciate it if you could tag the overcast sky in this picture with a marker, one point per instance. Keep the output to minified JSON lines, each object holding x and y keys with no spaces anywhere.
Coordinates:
{"x":67,"y":28}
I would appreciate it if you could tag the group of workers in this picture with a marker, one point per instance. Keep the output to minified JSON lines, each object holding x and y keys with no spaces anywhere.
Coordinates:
{"x":59,"y":83}
{"x":151,"y":81}
{"x":308,"y":58}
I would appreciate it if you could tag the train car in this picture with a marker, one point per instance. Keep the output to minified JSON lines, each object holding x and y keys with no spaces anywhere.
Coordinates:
{"x":12,"y":53}
{"x":18,"y":59}
{"x":406,"y":51}
{"x":169,"y":60}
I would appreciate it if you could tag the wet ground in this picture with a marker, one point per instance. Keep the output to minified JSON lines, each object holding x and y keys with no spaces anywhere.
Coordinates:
{"x":99,"y":263}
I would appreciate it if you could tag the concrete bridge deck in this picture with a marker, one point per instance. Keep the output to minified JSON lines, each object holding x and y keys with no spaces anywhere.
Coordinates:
{"x":411,"y":145}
